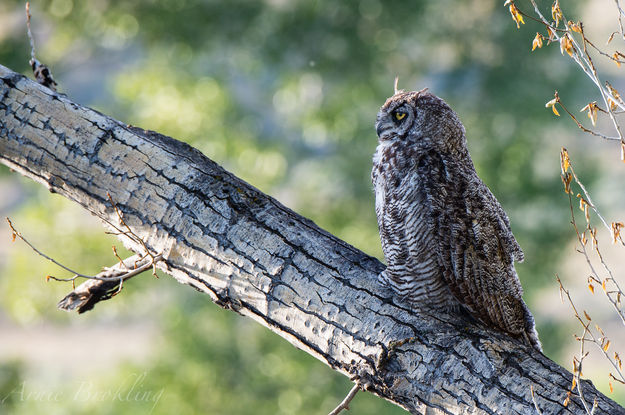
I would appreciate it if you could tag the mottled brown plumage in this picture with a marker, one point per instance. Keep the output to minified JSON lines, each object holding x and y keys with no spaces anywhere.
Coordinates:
{"x":446,"y":239}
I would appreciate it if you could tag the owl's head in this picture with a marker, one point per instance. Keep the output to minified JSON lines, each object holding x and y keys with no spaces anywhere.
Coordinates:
{"x":421,"y":118}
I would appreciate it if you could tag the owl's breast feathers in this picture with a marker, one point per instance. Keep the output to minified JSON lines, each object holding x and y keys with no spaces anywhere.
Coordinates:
{"x":442,"y":231}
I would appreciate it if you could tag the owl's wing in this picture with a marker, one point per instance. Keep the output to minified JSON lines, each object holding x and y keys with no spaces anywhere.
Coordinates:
{"x":476,"y":248}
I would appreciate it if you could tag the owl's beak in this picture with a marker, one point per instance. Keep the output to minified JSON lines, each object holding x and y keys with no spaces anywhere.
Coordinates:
{"x":383,"y":129}
{"x":379,"y":128}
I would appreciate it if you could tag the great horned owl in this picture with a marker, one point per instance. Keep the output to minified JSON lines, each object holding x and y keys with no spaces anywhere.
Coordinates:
{"x":446,"y":239}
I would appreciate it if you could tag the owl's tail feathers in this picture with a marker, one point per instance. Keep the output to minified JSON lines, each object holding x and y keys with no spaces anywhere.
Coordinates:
{"x":531,"y":335}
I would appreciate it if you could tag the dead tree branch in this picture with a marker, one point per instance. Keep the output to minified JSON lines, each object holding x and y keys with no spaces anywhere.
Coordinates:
{"x":251,"y":254}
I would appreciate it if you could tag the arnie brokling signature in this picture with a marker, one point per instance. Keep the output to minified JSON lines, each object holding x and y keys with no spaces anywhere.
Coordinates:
{"x":131,"y":389}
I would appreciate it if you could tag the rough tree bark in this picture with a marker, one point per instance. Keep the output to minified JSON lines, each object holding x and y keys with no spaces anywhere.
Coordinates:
{"x":251,"y":254}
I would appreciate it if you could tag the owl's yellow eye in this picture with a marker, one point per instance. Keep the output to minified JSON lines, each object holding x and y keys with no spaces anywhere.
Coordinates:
{"x":400,"y":115}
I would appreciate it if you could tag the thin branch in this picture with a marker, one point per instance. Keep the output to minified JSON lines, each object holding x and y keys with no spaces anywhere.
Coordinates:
{"x":129,"y":233}
{"x":30,"y":34}
{"x":580,"y":125}
{"x":588,"y":335}
{"x":607,"y":102}
{"x":129,"y":274}
{"x":538,"y":411}
{"x":42,"y":72}
{"x":16,"y":233}
{"x":344,"y":405}
{"x":566,"y":165}
{"x":621,"y":13}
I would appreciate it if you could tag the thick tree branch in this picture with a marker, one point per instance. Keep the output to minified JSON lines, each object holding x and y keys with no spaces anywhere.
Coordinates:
{"x":253,"y":255}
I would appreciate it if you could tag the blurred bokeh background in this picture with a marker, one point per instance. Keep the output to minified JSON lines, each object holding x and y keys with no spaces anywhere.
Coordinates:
{"x":284,"y":95}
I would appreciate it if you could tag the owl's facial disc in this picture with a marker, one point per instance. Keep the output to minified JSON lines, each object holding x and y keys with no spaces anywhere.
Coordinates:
{"x":394,"y":122}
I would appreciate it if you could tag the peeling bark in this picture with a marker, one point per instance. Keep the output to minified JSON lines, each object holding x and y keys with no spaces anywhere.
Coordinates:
{"x":251,"y":254}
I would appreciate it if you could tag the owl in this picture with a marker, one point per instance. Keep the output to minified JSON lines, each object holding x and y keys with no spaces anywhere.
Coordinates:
{"x":446,"y":239}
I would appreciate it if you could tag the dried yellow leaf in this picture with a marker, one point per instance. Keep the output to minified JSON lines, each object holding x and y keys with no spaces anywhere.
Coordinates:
{"x":576,"y":27}
{"x":552,"y":104}
{"x":566,"y":179}
{"x":622,"y":156}
{"x":516,"y":14}
{"x":566,"y":45}
{"x":556,"y":12}
{"x":617,"y":59}
{"x":610,"y":38}
{"x":587,"y":316}
{"x":606,"y":346}
{"x":552,"y":33}
{"x":612,"y":102}
{"x":565,"y":162}
{"x":591,"y":288}
{"x":538,"y":41}
{"x":611,"y":387}
{"x":593,"y":233}
{"x":592,"y":110}
{"x":613,"y":91}
{"x":616,"y":230}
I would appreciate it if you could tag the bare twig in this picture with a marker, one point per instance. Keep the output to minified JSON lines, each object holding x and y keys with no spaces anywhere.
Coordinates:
{"x":621,"y":13}
{"x":120,"y":277}
{"x":41,"y":71}
{"x":566,"y":165}
{"x":130,"y":273}
{"x":102,"y":286}
{"x":130,"y":234}
{"x":576,"y":384}
{"x":16,"y":233}
{"x":580,"y":125}
{"x":344,"y":405}
{"x":538,"y":411}
{"x":30,"y":33}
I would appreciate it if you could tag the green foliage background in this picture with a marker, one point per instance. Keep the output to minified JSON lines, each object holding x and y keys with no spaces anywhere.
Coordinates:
{"x":283,"y":94}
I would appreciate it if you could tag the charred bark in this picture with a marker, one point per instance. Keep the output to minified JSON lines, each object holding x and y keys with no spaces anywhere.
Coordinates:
{"x":253,"y":255}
